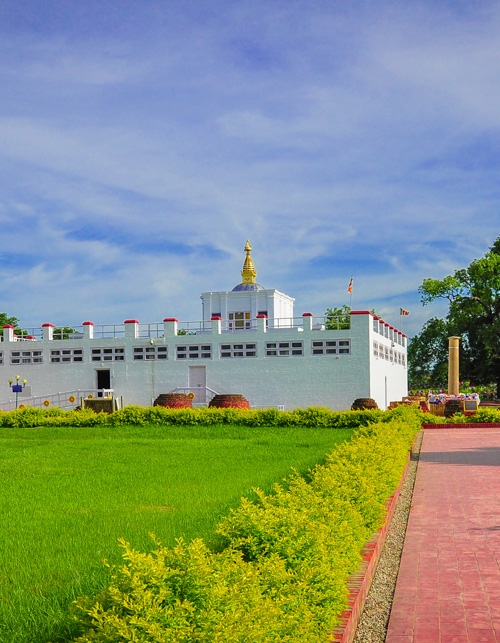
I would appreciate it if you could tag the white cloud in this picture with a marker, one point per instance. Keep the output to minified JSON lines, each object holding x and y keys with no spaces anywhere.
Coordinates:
{"x":337,"y":139}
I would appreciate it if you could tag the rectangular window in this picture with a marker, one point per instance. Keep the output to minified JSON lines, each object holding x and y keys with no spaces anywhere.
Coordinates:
{"x":375,"y":349}
{"x":194,"y":351}
{"x":150,"y":352}
{"x":332,"y":347}
{"x":238,"y":350}
{"x":108,"y":354}
{"x":1,"y":357}
{"x":66,"y":355}
{"x":284,"y":349}
{"x":26,"y":357}
{"x":239,"y":321}
{"x":375,"y":325}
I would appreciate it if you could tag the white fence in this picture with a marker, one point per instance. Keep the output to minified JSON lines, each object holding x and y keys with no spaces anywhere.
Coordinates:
{"x":67,"y":400}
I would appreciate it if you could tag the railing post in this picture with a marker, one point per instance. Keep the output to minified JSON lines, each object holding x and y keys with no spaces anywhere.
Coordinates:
{"x":47,"y":332}
{"x":307,"y":320}
{"x":88,"y":330}
{"x":170,"y":326}
{"x":131,"y":328}
{"x":216,"y":324}
{"x":8,"y":333}
{"x":262,"y":323}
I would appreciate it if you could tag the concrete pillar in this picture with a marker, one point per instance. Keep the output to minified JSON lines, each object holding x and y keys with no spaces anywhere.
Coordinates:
{"x":8,"y":333}
{"x":170,"y":326}
{"x":262,"y":323}
{"x":88,"y":330}
{"x":216,"y":322}
{"x":131,"y":328}
{"x":47,"y":332}
{"x":453,"y":365}
{"x":307,"y":321}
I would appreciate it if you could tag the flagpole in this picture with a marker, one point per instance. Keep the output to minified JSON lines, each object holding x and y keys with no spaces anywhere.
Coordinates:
{"x":349,"y":290}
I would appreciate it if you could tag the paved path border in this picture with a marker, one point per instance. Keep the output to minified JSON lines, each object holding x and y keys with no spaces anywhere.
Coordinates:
{"x":448,"y":588}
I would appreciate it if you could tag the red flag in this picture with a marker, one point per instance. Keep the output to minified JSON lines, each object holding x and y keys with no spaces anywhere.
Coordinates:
{"x":403,"y":312}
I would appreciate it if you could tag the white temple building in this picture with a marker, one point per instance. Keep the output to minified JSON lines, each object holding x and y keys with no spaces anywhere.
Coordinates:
{"x":248,"y":342}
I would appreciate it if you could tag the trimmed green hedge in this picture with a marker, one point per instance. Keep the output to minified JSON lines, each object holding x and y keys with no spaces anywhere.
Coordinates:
{"x":280,"y":570}
{"x":137,"y":415}
{"x":483,"y":415}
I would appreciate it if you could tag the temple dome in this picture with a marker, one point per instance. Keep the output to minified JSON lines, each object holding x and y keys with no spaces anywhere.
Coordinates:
{"x":247,"y":288}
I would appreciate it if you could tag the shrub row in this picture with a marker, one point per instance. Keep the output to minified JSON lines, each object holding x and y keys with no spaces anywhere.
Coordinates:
{"x":137,"y":415}
{"x":483,"y":415}
{"x":280,"y":568}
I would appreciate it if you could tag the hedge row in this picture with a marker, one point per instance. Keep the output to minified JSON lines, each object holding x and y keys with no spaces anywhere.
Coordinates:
{"x":483,"y":415}
{"x":137,"y":415}
{"x":281,"y":568}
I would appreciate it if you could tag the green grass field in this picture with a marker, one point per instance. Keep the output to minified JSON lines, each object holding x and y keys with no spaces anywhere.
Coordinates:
{"x":69,"y":494}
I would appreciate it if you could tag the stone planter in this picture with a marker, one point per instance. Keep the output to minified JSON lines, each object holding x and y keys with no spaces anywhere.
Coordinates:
{"x":363,"y":403}
{"x":174,"y":401}
{"x":229,"y":401}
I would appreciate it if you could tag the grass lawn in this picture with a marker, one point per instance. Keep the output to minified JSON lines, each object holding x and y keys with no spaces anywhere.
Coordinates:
{"x":68,"y":494}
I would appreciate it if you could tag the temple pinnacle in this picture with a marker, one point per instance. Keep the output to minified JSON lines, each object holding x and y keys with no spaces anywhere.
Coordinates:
{"x":248,"y":274}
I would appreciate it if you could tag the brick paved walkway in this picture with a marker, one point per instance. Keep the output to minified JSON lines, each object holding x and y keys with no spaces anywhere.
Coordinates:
{"x":448,"y":588}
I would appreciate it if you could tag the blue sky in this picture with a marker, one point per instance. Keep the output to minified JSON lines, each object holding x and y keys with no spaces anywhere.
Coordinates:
{"x":142,"y":143}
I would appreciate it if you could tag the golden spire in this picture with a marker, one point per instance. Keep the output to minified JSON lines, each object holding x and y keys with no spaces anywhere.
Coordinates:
{"x":248,"y":273}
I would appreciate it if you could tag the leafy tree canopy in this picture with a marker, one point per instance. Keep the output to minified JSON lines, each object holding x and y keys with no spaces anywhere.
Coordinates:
{"x":5,"y":320}
{"x":338,"y":318}
{"x":473,"y":294}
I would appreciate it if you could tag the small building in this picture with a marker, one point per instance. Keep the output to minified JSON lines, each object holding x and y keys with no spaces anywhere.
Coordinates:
{"x":248,"y":342}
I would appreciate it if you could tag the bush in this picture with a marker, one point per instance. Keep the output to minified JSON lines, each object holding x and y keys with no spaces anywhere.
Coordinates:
{"x":137,"y":415}
{"x":280,"y":568}
{"x":484,"y":415}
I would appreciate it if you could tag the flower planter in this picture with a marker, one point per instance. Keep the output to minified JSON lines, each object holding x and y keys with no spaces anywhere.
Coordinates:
{"x":174,"y":401}
{"x":229,"y":401}
{"x":363,"y":403}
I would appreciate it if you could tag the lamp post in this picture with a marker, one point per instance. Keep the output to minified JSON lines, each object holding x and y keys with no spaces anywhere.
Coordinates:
{"x":16,"y":387}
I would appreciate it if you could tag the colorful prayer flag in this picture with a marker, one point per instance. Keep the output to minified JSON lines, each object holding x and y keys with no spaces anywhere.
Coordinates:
{"x":404,"y":312}
{"x":349,"y":287}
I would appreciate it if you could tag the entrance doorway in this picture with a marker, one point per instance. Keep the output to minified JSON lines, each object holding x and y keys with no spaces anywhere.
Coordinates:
{"x":198,"y":383}
{"x":103,"y":380}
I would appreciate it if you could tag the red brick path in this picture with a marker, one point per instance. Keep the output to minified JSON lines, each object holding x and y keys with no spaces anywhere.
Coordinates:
{"x":448,"y":588}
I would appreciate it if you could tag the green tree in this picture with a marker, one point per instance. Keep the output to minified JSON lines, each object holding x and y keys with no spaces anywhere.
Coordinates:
{"x":338,"y":318}
{"x":428,"y":355}
{"x":473,"y":294}
{"x":63,"y":332}
{"x":5,"y":320}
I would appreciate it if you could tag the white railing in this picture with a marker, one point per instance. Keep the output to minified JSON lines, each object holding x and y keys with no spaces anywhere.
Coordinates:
{"x":202,"y":394}
{"x":66,"y":400}
{"x":155,"y":330}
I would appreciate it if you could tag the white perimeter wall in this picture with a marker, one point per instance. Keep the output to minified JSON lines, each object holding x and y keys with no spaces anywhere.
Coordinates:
{"x":333,"y":381}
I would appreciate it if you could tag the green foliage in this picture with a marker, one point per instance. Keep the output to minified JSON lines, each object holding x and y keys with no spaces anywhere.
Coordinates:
{"x":140,"y":416}
{"x":484,"y":415}
{"x":473,"y":295}
{"x":98,"y":484}
{"x":63,"y":332}
{"x":5,"y":320}
{"x":283,"y":561}
{"x":338,"y":318}
{"x":428,"y":355}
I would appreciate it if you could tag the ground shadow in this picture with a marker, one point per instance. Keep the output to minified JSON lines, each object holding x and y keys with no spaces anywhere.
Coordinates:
{"x":482,"y":456}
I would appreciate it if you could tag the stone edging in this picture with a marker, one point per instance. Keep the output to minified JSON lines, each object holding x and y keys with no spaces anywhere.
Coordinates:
{"x":359,"y":583}
{"x":464,"y":425}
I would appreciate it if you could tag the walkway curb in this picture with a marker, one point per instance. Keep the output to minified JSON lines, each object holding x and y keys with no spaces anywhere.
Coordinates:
{"x":464,"y":425}
{"x":359,"y":583}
